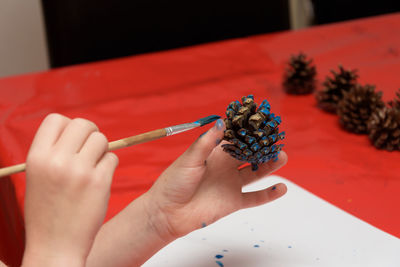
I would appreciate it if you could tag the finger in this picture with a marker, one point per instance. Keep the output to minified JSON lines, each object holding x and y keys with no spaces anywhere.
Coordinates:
{"x":199,"y":151}
{"x":221,"y":158}
{"x":75,"y":135}
{"x":253,"y":199}
{"x":106,"y":167}
{"x":49,"y":131}
{"x":264,"y":169}
{"x":94,"y":148}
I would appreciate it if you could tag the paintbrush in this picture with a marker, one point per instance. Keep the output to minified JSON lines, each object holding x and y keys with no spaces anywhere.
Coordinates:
{"x":133,"y":140}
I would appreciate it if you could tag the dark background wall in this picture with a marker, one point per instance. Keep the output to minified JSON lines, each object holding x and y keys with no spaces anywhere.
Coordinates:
{"x":81,"y":31}
{"x":87,"y":30}
{"x":339,"y":10}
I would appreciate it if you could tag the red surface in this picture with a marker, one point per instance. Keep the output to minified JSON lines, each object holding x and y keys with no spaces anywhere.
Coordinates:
{"x":137,"y":94}
{"x":12,"y":232}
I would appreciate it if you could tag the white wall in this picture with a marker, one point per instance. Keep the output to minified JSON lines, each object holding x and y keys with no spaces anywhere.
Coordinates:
{"x":301,"y":13}
{"x":22,"y":37}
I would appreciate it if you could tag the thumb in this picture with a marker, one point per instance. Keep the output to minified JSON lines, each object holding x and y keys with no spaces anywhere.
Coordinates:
{"x":199,"y":151}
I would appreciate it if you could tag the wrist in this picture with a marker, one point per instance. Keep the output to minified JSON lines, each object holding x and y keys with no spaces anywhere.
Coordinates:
{"x":50,"y":257}
{"x":157,"y":221}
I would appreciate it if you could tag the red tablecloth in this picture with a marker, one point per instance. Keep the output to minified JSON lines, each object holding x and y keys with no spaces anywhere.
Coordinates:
{"x":136,"y":94}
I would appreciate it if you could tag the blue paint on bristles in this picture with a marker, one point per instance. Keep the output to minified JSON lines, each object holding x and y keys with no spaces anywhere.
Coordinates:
{"x":207,"y":120}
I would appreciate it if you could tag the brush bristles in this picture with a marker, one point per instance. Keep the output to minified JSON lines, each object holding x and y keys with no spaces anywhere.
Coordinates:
{"x":207,"y":120}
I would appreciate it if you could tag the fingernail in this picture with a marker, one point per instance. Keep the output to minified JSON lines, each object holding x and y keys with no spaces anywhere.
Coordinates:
{"x":219,"y":124}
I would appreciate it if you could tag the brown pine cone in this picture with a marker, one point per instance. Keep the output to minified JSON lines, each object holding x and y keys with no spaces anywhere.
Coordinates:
{"x":357,"y":106}
{"x":252,"y":132}
{"x":395,"y":103}
{"x":299,"y":77}
{"x":333,"y":88}
{"x":384,"y":128}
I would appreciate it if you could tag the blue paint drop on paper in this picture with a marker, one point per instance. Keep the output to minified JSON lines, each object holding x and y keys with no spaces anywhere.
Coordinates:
{"x":220,"y":263}
{"x":218,"y":256}
{"x":289,"y":246}
{"x":256,"y":246}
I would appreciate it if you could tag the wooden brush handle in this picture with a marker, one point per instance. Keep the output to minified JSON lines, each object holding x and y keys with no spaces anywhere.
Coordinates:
{"x":125,"y":142}
{"x":12,"y":169}
{"x":137,"y":139}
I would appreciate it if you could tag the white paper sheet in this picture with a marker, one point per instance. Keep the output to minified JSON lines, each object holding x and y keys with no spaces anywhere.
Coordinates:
{"x":299,"y":229}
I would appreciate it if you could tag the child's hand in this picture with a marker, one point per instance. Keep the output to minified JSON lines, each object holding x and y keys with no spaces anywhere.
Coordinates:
{"x":68,"y":178}
{"x":204,"y":185}
{"x":200,"y":187}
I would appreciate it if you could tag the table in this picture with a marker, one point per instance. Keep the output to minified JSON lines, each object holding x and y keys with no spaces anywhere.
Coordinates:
{"x":132,"y":95}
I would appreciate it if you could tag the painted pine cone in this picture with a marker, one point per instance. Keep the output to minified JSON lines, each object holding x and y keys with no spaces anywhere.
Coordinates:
{"x":333,"y":88}
{"x":252,"y":132}
{"x":384,"y":128}
{"x":299,"y":77}
{"x":357,"y":106}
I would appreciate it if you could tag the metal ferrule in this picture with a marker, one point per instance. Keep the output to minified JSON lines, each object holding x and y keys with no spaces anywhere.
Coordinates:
{"x":181,"y":128}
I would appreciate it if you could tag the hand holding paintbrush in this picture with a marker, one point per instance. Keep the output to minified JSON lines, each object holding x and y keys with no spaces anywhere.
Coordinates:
{"x":68,"y":180}
{"x":133,"y":140}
